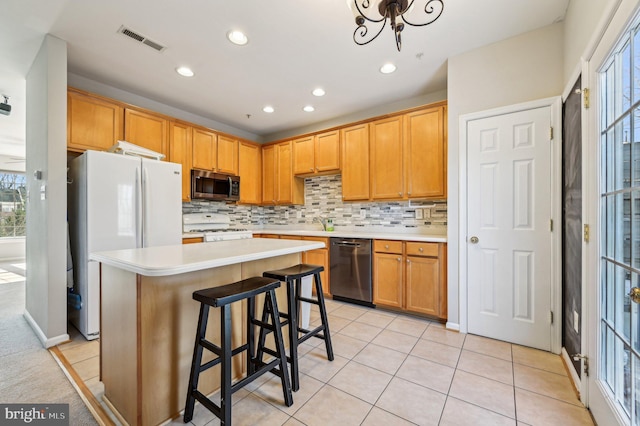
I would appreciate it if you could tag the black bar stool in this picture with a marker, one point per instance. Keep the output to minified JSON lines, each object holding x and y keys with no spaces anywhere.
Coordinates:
{"x":292,"y":317}
{"x":222,"y":297}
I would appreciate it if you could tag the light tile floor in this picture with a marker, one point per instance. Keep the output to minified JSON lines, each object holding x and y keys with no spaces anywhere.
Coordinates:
{"x":394,"y":369}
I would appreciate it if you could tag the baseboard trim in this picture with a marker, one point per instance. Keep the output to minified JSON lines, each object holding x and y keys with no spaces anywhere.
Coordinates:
{"x":46,"y":342}
{"x":453,"y":326}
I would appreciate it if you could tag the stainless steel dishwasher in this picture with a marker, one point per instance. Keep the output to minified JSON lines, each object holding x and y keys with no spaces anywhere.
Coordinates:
{"x":350,"y":270}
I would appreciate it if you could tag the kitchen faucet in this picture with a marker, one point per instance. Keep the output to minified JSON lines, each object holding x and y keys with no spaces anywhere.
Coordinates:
{"x":322,"y":222}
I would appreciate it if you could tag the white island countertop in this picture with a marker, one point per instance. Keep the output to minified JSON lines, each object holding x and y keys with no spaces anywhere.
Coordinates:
{"x":178,"y":259}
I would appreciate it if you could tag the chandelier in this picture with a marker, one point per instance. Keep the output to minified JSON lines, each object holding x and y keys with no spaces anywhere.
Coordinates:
{"x":376,"y":12}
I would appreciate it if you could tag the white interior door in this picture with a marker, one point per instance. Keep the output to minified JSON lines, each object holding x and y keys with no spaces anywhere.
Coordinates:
{"x":509,"y":240}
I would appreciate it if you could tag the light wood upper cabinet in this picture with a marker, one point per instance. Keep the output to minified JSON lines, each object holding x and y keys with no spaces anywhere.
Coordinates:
{"x":180,"y":152}
{"x":268,"y":175}
{"x":278,"y":183}
{"x":317,"y":155}
{"x":92,"y":122}
{"x":205,"y":148}
{"x":303,"y":156}
{"x":425,"y":153}
{"x":227,"y":155}
{"x":327,"y":152}
{"x":355,"y":163}
{"x":146,"y":129}
{"x":250,"y":172}
{"x":386,"y":164}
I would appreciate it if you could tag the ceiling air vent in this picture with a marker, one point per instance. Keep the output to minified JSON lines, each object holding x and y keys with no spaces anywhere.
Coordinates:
{"x":140,"y":38}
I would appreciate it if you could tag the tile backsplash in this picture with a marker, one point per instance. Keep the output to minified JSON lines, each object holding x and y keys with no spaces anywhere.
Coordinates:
{"x":323,"y":199}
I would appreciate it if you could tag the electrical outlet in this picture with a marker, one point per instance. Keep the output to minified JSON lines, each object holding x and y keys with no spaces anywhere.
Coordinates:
{"x":427,"y":213}
{"x":419,"y":214}
{"x":576,"y":322}
{"x":363,"y":213}
{"x":299,"y":214}
{"x":286,"y":214}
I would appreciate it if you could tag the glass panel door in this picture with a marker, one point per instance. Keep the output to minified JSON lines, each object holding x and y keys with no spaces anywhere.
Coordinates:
{"x":620,"y":227}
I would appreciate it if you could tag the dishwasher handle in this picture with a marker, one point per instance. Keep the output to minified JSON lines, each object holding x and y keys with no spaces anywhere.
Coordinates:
{"x":346,"y":244}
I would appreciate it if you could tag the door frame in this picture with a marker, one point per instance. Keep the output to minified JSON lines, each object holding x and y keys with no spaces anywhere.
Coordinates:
{"x":555,"y":104}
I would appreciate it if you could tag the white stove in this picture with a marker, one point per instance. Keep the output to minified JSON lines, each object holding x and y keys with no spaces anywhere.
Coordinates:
{"x":213,"y":226}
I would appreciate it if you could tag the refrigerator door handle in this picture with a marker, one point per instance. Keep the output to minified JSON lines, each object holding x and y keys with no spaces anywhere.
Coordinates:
{"x":138,"y":208}
{"x":145,"y":206}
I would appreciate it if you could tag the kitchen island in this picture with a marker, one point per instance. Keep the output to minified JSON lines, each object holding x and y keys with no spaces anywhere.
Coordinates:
{"x":148,"y":318}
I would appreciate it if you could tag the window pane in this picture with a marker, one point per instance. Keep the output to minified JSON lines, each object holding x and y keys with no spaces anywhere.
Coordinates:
{"x":636,"y":379}
{"x":622,"y":306}
{"x":625,"y":380}
{"x":622,"y":153}
{"x":635,"y":230}
{"x":635,"y":321}
{"x":609,"y":367}
{"x":625,"y":93}
{"x":622,"y":218}
{"x":12,"y":207}
{"x":636,"y":66}
{"x":609,"y":96}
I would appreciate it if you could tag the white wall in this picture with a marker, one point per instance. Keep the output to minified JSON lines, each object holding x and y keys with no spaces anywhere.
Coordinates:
{"x":519,"y":69}
{"x":46,"y":291}
{"x":581,"y":20}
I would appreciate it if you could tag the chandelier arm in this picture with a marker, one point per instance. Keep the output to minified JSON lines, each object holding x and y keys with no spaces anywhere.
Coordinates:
{"x":432,"y":8}
{"x":365,"y":5}
{"x":363,"y":30}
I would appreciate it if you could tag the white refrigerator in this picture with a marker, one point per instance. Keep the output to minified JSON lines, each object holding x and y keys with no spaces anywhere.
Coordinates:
{"x":117,"y":202}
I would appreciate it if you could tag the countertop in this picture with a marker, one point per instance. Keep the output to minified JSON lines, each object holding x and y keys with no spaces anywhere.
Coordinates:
{"x":436,"y":237}
{"x":178,"y":259}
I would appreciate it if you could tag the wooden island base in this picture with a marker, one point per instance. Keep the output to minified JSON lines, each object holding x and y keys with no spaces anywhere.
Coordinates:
{"x":148,"y":326}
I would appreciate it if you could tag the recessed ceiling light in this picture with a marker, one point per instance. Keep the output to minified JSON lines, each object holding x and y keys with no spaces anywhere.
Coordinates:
{"x":318,"y":92}
{"x":268,"y":109}
{"x":309,"y":108}
{"x":237,"y":37}
{"x":387,"y":68}
{"x":184,"y":71}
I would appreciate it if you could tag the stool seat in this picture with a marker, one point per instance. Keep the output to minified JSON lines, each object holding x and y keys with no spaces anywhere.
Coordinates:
{"x":294,"y":272}
{"x":229,"y":293}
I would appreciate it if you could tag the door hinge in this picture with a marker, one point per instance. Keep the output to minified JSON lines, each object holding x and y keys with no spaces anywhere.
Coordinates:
{"x":585,"y":97}
{"x":551,"y":225}
{"x":550,"y":133}
{"x":585,"y":362}
{"x":551,"y":316}
{"x":586,"y":232}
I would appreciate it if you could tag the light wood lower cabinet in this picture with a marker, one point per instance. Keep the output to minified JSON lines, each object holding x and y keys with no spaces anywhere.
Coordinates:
{"x":192,"y":240}
{"x":411,"y":276}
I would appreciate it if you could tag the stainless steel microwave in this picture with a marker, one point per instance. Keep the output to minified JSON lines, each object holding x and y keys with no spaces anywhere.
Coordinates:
{"x":206,"y":185}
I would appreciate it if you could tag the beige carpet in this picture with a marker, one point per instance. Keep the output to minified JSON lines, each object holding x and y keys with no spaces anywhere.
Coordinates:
{"x":28,"y":372}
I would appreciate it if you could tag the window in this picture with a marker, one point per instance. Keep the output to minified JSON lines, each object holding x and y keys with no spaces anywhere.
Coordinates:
{"x":13,"y":194}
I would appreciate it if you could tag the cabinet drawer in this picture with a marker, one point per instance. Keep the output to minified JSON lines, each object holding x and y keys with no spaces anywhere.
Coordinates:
{"x":422,"y":249}
{"x":192,"y":240}
{"x":387,"y":246}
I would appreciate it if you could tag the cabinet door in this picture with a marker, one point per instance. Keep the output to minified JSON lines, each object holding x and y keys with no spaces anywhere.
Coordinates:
{"x":268,"y":175}
{"x":147,"y":130}
{"x":204,"y":149}
{"x":319,"y":257}
{"x":355,"y":163}
{"x":250,"y":172}
{"x":180,"y":152}
{"x":387,"y":282}
{"x":284,"y":174}
{"x":227,"y":155}
{"x":423,"y":285}
{"x":93,"y":123}
{"x":425,"y":153}
{"x":386,"y":159}
{"x":327,"y":152}
{"x":303,"y":156}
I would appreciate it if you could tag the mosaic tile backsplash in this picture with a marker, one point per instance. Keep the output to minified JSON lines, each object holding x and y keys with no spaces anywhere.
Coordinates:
{"x":323,"y":199}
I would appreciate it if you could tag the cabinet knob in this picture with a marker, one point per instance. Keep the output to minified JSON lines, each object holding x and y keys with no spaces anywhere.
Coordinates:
{"x":420,"y":249}
{"x":408,"y":261}
{"x":386,"y":246}
{"x":399,"y":259}
{"x":316,"y":169}
{"x":409,"y":193}
{"x":311,"y":169}
{"x":400,"y":194}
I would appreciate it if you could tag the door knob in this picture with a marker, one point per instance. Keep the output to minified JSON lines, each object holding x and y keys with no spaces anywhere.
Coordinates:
{"x":474,"y":240}
{"x":634,"y":294}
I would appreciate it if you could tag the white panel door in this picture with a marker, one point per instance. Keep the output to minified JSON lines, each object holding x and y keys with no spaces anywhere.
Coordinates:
{"x":509,"y":239}
{"x":161,"y":203}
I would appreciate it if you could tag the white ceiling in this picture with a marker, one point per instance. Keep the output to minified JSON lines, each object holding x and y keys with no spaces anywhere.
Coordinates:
{"x":294,"y":46}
